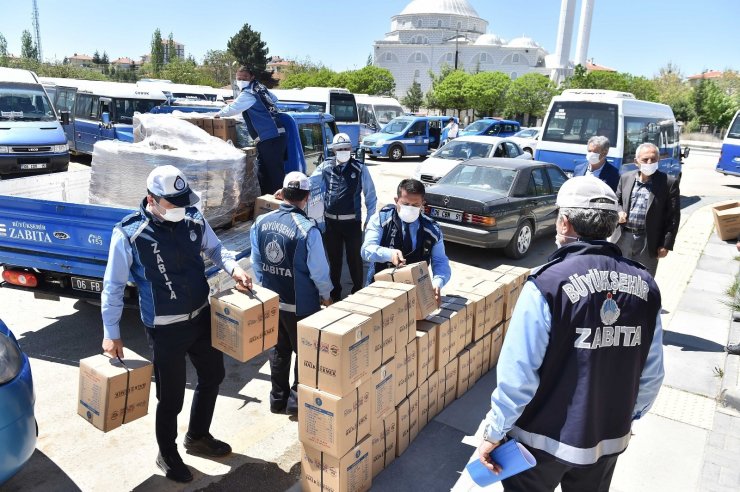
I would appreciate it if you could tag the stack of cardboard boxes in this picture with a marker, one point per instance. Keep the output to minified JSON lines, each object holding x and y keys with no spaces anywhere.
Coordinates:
{"x":223,"y":128}
{"x":375,"y":368}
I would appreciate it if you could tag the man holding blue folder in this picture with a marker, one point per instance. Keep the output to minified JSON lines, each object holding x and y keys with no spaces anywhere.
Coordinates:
{"x":583,"y":355}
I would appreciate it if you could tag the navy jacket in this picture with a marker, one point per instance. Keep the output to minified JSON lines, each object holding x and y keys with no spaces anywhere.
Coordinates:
{"x":609,"y":174}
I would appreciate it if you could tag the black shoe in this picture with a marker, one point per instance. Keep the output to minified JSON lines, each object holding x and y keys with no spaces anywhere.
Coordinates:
{"x":292,"y":409}
{"x":278,"y":407}
{"x":733,"y":349}
{"x":173,"y":467}
{"x":206,"y":445}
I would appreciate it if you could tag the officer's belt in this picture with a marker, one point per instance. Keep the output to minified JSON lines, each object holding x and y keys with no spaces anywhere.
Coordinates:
{"x":340,"y":217}
{"x":287,"y":307}
{"x":177,"y":318}
{"x":279,"y":130}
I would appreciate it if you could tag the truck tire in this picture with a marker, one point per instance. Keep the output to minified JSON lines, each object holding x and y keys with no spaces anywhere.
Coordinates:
{"x":521,"y":243}
{"x":395,"y":153}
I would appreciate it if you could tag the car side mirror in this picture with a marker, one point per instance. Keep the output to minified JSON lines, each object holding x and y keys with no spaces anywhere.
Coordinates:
{"x":106,"y":118}
{"x":685,"y":152}
{"x":64,"y":117}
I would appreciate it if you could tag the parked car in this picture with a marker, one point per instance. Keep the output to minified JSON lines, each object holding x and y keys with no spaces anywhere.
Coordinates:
{"x":491,"y":127}
{"x":526,"y":138}
{"x":405,"y":136}
{"x":18,"y":429}
{"x":448,"y":156}
{"x":496,"y":203}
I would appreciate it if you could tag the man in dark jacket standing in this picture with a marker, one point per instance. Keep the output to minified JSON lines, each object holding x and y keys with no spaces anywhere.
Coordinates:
{"x":596,"y":150}
{"x":649,"y":210}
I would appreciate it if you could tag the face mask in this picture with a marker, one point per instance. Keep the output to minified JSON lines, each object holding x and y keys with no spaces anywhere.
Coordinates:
{"x":648,"y":169}
{"x":343,"y":156}
{"x":171,"y":214}
{"x":409,"y":213}
{"x":593,"y":157}
{"x":241,"y":84}
{"x":561,"y":240}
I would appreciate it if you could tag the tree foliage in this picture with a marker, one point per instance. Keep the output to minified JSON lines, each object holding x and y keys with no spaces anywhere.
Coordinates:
{"x":414,"y":98}
{"x":157,"y":53}
{"x":220,"y":65}
{"x":185,"y":72}
{"x":3,"y":49}
{"x":370,"y":80}
{"x":28,"y":48}
{"x":367,"y":80}
{"x":171,"y":51}
{"x":247,"y":47}
{"x":485,"y":92}
{"x":641,"y":87}
{"x":530,"y":94}
{"x":430,"y":99}
{"x":449,"y":92}
{"x":674,"y":92}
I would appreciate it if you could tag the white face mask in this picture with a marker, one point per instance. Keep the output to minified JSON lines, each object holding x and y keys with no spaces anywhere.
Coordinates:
{"x":409,"y":213}
{"x":241,"y":84}
{"x":561,"y":240}
{"x":593,"y":157}
{"x":648,"y":169}
{"x":171,"y":214}
{"x":343,"y":156}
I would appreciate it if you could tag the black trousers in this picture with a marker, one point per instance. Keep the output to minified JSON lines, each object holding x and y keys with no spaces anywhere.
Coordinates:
{"x":271,"y":164}
{"x":283,"y":393}
{"x":549,"y":472}
{"x":341,"y":234}
{"x":170,"y":344}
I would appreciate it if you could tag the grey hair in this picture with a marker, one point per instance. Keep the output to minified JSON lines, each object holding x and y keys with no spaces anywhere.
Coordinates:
{"x":591,"y":223}
{"x":647,"y":145}
{"x":600,"y":141}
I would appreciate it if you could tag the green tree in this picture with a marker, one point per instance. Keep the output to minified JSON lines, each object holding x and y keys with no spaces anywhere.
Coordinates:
{"x":171,"y":51}
{"x":674,"y":92}
{"x":414,"y":98}
{"x":104,"y":59}
{"x":485,"y":92}
{"x":220,"y":65}
{"x":449,"y":93}
{"x":643,"y":88}
{"x":28,"y":49}
{"x":718,"y":106}
{"x":3,"y":50}
{"x":185,"y":72}
{"x":247,"y":47}
{"x":96,"y":58}
{"x":157,"y":53}
{"x":371,"y":80}
{"x":430,"y":99}
{"x":530,"y":94}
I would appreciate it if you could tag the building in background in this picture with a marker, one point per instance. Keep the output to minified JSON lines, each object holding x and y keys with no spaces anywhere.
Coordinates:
{"x":179,"y":50}
{"x":278,"y":66}
{"x":124,"y":63}
{"x":80,"y":60}
{"x":714,"y":75}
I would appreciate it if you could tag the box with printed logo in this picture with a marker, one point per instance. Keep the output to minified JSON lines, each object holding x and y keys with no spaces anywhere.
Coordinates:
{"x":423,"y":404}
{"x":385,"y":310}
{"x":497,"y":340}
{"x":244,"y":324}
{"x":413,"y":415}
{"x":225,"y":129}
{"x":466,"y":310}
{"x":476,"y":304}
{"x":384,"y":442}
{"x":383,"y":394}
{"x":352,"y":472}
{"x":112,"y":393}
{"x":520,"y":273}
{"x":376,"y":328}
{"x":463,"y":372}
{"x":402,"y":427}
{"x":426,"y":349}
{"x":416,"y":274}
{"x":266,"y":204}
{"x":457,"y":328}
{"x":476,"y":363}
{"x":400,"y":308}
{"x":727,"y":219}
{"x":486,"y":341}
{"x":333,"y":424}
{"x":334,"y":351}
{"x":433,"y":386}
{"x":444,"y":342}
{"x":447,"y":391}
{"x":406,"y":379}
{"x":495,"y":295}
{"x":409,"y":300}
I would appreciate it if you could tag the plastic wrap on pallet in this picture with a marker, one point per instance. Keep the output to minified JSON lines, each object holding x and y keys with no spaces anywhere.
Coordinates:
{"x":170,"y":130}
{"x":250,"y":185}
{"x":214,"y":169}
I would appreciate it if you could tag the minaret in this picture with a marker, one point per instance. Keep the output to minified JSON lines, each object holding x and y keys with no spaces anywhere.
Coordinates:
{"x":565,"y":35}
{"x":584,"y":32}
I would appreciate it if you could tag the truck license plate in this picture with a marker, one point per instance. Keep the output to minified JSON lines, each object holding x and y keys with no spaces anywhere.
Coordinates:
{"x":33,"y":166}
{"x":87,"y":284}
{"x":447,"y":214}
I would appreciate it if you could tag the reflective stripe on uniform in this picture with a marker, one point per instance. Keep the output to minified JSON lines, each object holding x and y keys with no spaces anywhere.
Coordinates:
{"x":571,"y":454}
{"x":177,"y":318}
{"x":340,"y":217}
{"x":286,"y":307}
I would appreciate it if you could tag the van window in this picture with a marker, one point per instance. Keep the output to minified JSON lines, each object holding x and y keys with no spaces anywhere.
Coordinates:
{"x":343,"y":107}
{"x":365,"y":112}
{"x":312,"y":141}
{"x":418,"y":129}
{"x":24,"y":102}
{"x":638,"y":130}
{"x":84,"y":106}
{"x":577,"y":121}
{"x":65,"y":99}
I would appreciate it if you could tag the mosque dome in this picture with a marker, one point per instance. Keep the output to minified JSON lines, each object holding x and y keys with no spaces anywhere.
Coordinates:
{"x":447,"y":7}
{"x":522,"y":42}
{"x":489,"y":40}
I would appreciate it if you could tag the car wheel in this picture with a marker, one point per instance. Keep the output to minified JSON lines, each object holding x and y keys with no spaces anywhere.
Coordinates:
{"x":395,"y":153}
{"x":520,"y":244}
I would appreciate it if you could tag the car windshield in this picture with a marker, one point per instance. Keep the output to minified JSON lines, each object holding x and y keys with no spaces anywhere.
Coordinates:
{"x":495,"y":179}
{"x":478,"y":126}
{"x":734,"y":131}
{"x":461,"y":150}
{"x":529,"y":132}
{"x":387,"y":113}
{"x":20,"y":102}
{"x":396,"y":126}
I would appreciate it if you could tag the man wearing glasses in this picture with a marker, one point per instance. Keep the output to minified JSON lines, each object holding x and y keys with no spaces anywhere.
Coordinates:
{"x":649,"y":210}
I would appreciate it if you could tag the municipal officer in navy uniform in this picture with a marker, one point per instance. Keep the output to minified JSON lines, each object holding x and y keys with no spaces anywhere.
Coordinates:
{"x":160,"y":247}
{"x":401,"y":233}
{"x":257,"y":105}
{"x":344,"y":181}
{"x":583,"y":356}
{"x":288,"y":257}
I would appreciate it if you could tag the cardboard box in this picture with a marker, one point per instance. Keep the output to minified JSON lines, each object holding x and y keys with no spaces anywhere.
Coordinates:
{"x":444,"y":340}
{"x":403,"y":298}
{"x":476,"y":363}
{"x":423,"y":392}
{"x":433,"y":385}
{"x":486,"y":340}
{"x":225,"y":129}
{"x":111,"y":394}
{"x":426,"y":350}
{"x":266,"y":204}
{"x":402,"y":427}
{"x":416,"y":274}
{"x":476,"y":308}
{"x":390,"y":321}
{"x":395,"y":304}
{"x":376,"y":328}
{"x":207,"y":125}
{"x":457,"y":327}
{"x":466,"y":308}
{"x":409,"y":300}
{"x":447,"y":391}
{"x":243,"y":325}
{"x":513,"y":288}
{"x":321,"y":472}
{"x":383,"y":394}
{"x":506,"y":329}
{"x":520,"y":272}
{"x":463,"y":373}
{"x":413,"y":415}
{"x":333,"y":424}
{"x":406,"y":379}
{"x":334,"y":351}
{"x":384,"y":442}
{"x":727,"y":219}
{"x":497,"y":340}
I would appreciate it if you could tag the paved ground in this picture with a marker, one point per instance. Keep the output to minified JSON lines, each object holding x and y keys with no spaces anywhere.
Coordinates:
{"x":687,"y":443}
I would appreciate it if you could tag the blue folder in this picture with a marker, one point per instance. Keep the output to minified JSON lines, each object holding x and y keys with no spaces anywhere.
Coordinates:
{"x":513,"y":458}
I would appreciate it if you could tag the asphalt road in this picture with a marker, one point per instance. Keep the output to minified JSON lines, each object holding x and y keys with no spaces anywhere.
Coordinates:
{"x":71,"y":455}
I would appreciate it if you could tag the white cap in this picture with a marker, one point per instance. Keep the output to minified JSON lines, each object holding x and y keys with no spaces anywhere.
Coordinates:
{"x":341,"y":141}
{"x":296,"y":180}
{"x":170,"y":183}
{"x":586,"y":192}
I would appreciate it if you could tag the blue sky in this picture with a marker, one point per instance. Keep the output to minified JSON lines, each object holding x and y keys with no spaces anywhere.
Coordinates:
{"x":636,"y":36}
